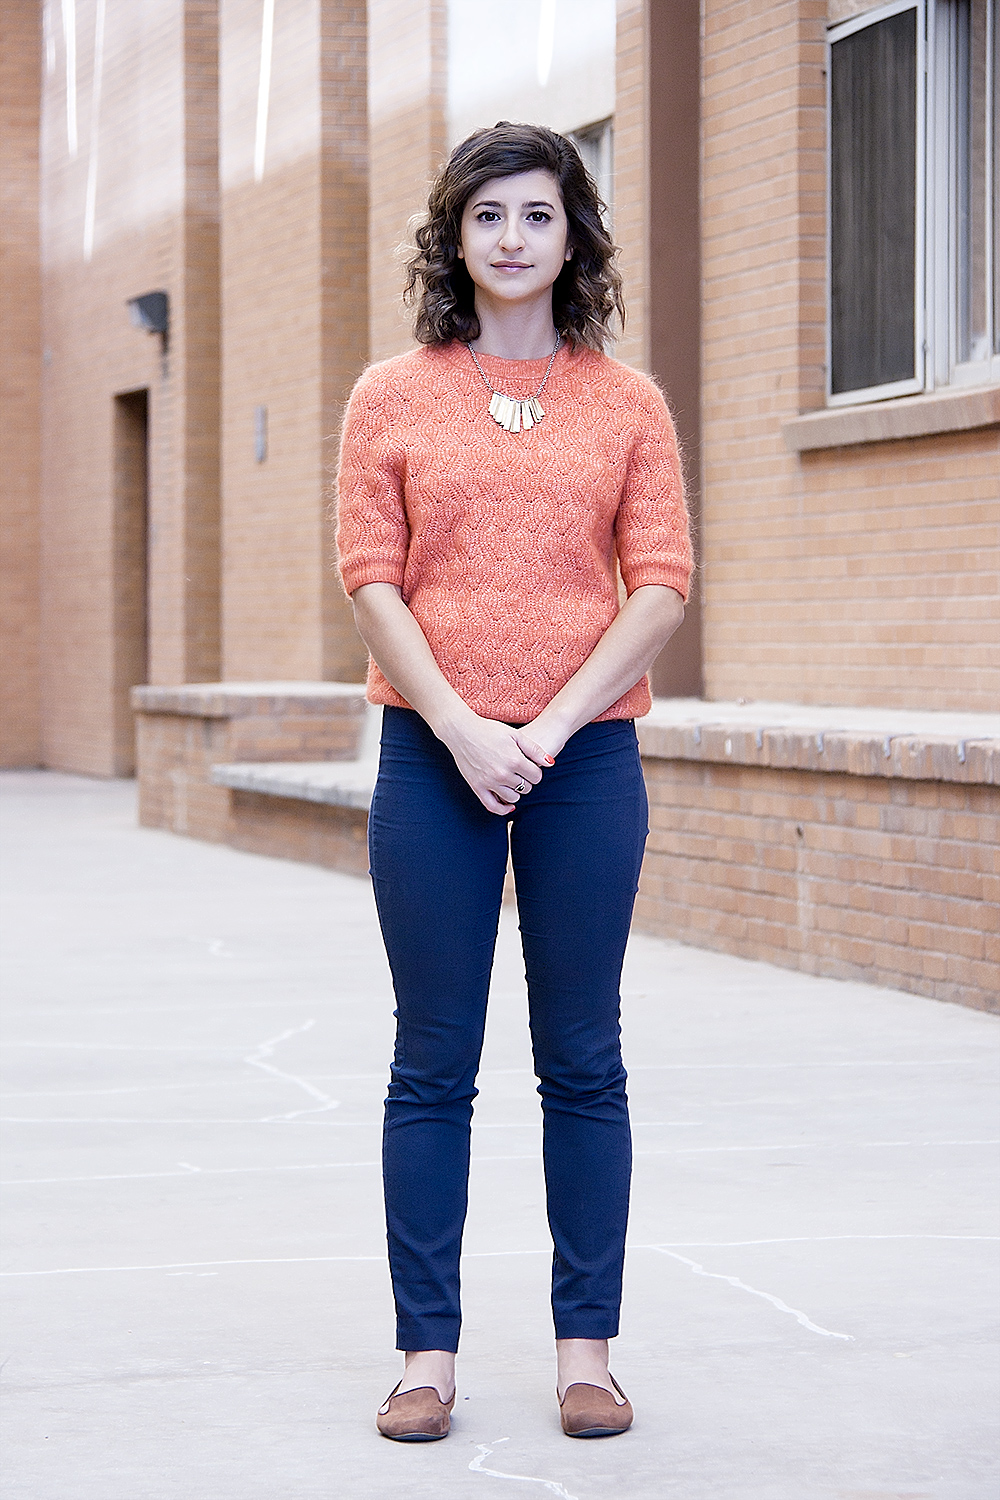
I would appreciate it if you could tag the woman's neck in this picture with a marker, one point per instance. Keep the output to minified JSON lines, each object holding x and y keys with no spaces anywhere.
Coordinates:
{"x":515,"y":332}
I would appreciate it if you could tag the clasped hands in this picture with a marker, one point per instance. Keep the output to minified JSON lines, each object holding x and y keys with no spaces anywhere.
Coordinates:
{"x":500,"y":763}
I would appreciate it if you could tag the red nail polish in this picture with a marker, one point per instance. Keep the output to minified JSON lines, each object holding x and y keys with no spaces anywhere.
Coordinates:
{"x":550,"y":760}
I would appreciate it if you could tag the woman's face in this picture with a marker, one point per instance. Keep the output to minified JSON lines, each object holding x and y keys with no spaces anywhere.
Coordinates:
{"x":514,"y":236}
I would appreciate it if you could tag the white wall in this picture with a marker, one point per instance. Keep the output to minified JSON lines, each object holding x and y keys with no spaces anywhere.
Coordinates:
{"x":501,"y":65}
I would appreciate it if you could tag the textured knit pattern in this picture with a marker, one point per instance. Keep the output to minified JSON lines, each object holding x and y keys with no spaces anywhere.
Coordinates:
{"x":505,"y":544}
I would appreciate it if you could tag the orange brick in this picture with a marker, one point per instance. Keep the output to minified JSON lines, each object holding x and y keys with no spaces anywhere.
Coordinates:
{"x":20,"y":394}
{"x":876,"y":898}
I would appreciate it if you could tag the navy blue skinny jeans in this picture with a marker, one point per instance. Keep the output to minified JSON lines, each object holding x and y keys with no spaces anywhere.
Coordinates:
{"x":438,"y":861}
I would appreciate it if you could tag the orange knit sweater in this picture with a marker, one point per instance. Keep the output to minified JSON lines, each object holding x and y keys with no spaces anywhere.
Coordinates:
{"x":505,"y":544}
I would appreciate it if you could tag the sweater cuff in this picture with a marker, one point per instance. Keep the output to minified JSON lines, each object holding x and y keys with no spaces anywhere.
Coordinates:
{"x":672,"y":575}
{"x":356,"y":572}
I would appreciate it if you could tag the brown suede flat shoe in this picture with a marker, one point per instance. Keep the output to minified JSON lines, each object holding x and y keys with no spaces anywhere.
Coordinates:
{"x":589,"y":1411}
{"x":418,"y":1416}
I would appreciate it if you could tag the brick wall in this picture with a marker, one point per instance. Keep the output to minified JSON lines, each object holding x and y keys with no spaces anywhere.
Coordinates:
{"x":294,"y":298}
{"x":857,"y":853}
{"x":407,"y":61}
{"x":344,"y":287}
{"x":182,"y":732}
{"x":334,"y":837}
{"x":888,"y":881}
{"x":656,"y":223}
{"x":632,"y":176}
{"x":197,"y":482}
{"x":860,"y":575}
{"x":20,"y":339}
{"x":143,"y":166}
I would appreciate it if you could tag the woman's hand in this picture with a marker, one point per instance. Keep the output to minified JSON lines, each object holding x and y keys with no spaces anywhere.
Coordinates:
{"x":500,"y":764}
{"x":494,"y":758}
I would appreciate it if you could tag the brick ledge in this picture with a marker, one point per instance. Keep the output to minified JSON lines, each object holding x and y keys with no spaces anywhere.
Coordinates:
{"x":240,"y":700}
{"x":335,"y":784}
{"x":911,"y":745}
{"x":914,"y":746}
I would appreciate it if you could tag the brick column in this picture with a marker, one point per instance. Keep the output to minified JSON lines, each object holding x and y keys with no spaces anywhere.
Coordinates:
{"x":762,"y":252}
{"x":129,"y":206}
{"x":657,"y":224}
{"x":20,"y":334}
{"x":199,"y":418}
{"x":294,"y":301}
{"x":407,"y":59}
{"x":632,"y":176}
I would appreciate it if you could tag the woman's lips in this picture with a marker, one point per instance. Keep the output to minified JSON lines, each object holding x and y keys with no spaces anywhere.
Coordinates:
{"x":510,"y":265}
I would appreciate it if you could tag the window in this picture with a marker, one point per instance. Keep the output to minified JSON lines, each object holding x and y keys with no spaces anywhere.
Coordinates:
{"x":913,"y":292}
{"x":595,"y":145}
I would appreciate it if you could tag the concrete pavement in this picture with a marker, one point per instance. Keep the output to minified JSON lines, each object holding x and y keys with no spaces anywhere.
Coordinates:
{"x":197,"y":1298}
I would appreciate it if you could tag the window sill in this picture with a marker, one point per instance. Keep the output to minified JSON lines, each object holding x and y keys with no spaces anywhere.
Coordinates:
{"x":886,"y":421}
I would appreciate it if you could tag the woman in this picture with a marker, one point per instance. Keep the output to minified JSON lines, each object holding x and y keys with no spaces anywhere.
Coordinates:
{"x":491,"y":480}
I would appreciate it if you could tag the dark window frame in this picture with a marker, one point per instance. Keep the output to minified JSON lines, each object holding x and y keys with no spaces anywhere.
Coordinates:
{"x":938,"y":285}
{"x":914,"y":383}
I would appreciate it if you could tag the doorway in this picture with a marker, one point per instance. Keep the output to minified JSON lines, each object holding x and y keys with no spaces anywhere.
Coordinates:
{"x":130,"y":568}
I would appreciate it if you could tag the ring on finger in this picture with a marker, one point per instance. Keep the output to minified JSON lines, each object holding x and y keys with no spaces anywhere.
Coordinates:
{"x":521,"y":786}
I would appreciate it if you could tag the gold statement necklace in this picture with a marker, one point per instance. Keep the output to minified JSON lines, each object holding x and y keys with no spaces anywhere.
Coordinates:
{"x":516,"y":413}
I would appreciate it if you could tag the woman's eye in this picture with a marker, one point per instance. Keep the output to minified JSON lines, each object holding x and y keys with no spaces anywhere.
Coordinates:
{"x":539,"y":216}
{"x":487,"y":216}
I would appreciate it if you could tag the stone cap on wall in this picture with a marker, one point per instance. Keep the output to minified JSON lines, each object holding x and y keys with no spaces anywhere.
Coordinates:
{"x":917,"y":745}
{"x":335,"y":783}
{"x":238,"y":700}
{"x":913,"y":744}
{"x":956,"y":410}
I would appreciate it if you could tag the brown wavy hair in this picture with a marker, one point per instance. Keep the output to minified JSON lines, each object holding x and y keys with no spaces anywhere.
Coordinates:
{"x":587,"y":295}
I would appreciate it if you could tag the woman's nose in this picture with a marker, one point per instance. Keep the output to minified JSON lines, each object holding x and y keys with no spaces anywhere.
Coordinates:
{"x":511,"y":238}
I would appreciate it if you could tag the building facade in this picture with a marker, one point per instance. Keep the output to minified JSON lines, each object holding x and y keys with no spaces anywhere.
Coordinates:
{"x":206,"y":208}
{"x":259,"y":161}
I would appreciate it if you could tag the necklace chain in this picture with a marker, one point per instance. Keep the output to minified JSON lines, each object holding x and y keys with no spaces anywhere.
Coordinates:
{"x":516,"y":413}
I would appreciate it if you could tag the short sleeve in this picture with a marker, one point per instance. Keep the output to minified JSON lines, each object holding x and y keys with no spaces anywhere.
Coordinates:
{"x":652,"y":531}
{"x":373,"y":535}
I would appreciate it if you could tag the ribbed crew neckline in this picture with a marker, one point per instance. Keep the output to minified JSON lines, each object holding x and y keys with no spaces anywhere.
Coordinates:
{"x":519,"y":364}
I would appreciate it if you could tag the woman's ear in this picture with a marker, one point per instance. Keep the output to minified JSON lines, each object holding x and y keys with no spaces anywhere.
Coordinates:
{"x":569,"y":252}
